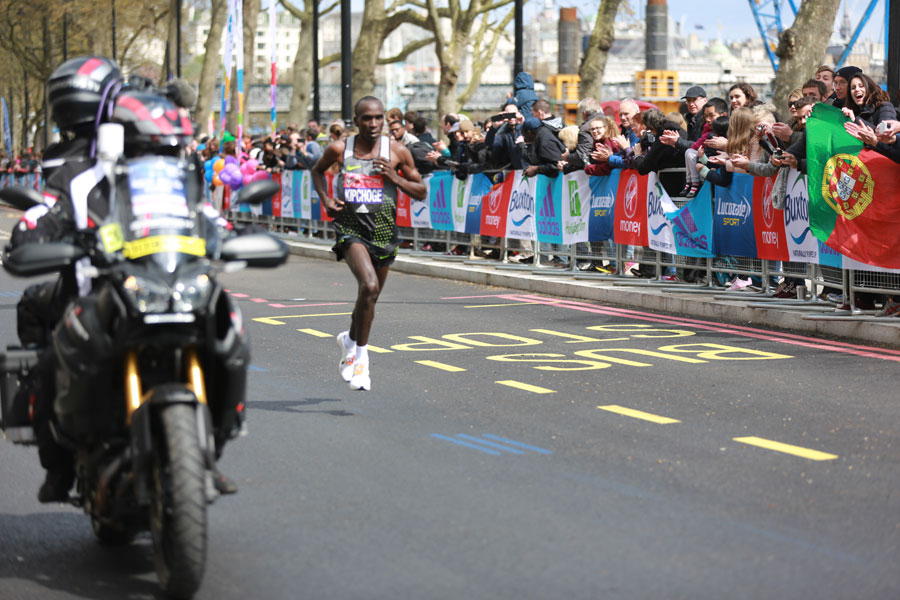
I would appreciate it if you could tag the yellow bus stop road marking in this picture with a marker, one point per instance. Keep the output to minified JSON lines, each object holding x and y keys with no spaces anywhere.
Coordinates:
{"x":638,"y":414}
{"x":316,"y":333}
{"x":440,"y":365}
{"x":786,"y":448}
{"x":524,"y":386}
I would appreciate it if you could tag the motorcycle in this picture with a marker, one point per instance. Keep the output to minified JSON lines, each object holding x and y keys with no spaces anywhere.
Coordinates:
{"x":150,"y":366}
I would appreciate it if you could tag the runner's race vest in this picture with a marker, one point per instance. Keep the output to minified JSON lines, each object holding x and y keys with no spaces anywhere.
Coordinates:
{"x":371,"y":201}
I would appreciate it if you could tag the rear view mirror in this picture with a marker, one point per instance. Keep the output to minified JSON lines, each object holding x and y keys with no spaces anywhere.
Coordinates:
{"x":256,"y":249}
{"x":20,"y":197}
{"x":257,"y":192}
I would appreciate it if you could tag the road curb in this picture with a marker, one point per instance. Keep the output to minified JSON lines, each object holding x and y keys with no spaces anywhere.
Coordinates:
{"x":704,"y":306}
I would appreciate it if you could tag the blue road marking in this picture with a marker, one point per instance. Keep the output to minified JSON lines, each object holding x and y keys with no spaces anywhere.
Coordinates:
{"x":462,"y":443}
{"x":10,"y":294}
{"x":255,"y":368}
{"x":487,"y":443}
{"x":519,"y":444}
{"x":479,"y":443}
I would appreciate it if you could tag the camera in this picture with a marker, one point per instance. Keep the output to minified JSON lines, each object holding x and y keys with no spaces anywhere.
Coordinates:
{"x":648,"y":139}
{"x":503,"y":117}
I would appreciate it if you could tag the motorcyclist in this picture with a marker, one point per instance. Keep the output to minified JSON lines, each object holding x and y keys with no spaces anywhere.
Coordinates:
{"x":82,"y":93}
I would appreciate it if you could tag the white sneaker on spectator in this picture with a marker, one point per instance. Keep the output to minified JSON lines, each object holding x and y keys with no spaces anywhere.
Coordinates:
{"x":348,"y":356}
{"x":361,"y":379}
{"x":739,"y":284}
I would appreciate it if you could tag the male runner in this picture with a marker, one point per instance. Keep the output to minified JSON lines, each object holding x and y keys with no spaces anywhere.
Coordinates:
{"x":364,"y":212}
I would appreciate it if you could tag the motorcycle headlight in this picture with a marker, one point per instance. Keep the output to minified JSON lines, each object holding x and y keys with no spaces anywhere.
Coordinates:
{"x":147,"y":295}
{"x":151,"y":296}
{"x":190,"y":293}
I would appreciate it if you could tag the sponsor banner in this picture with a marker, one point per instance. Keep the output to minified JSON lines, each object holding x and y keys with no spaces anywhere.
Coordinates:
{"x":478,"y":187}
{"x":304,"y":194}
{"x":802,"y":244}
{"x":404,"y":215}
{"x":440,"y":197}
{"x":849,"y":263}
{"x":576,"y":206}
{"x":520,"y":220}
{"x":768,"y":222}
{"x":329,"y":188}
{"x":458,"y":203}
{"x":421,"y":215}
{"x":287,"y":193}
{"x":601,"y":215}
{"x":733,"y":218}
{"x":631,"y":210}
{"x":276,"y":198}
{"x":660,"y":234}
{"x":692,"y":226}
{"x":494,"y":208}
{"x":548,"y":197}
{"x":829,"y":257}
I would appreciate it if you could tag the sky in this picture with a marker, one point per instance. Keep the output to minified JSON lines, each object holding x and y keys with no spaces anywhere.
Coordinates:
{"x":735,"y":16}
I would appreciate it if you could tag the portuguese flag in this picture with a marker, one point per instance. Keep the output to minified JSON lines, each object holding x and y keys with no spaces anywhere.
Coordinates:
{"x":854,"y":193}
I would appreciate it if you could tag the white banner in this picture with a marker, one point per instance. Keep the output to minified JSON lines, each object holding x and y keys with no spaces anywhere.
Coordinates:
{"x":459,"y":205}
{"x":659,"y":228}
{"x":287,"y":193}
{"x":802,"y":244}
{"x":576,"y":206}
{"x":421,"y":209}
{"x":306,"y":192}
{"x":520,"y":220}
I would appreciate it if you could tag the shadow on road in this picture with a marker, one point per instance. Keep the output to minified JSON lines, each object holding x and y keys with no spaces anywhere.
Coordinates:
{"x":299,"y":406}
{"x":58,"y":551}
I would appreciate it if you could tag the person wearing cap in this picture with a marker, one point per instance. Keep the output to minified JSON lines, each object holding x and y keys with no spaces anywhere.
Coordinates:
{"x":695,"y":97}
{"x":842,"y":79}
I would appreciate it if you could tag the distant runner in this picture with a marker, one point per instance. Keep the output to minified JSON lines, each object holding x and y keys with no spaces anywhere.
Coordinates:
{"x":364,"y":213}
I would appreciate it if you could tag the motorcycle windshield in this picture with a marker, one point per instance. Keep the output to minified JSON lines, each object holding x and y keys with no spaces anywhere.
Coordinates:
{"x":162,"y":226}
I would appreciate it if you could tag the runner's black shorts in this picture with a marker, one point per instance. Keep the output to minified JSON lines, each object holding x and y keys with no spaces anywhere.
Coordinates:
{"x":381,"y":257}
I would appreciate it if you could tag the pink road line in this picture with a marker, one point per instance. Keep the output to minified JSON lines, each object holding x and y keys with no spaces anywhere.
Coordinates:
{"x":258,"y":300}
{"x":787,"y":338}
{"x":471,"y":297}
{"x":276,"y":305}
{"x":236,"y":295}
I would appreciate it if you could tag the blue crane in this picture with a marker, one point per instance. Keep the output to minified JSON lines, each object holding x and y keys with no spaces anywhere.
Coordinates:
{"x":767,"y":14}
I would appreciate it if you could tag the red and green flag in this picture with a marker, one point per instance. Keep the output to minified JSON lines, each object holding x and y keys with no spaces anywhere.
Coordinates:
{"x":854,"y":193}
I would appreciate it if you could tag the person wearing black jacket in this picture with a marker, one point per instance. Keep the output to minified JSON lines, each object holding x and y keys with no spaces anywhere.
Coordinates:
{"x":543,"y":150}
{"x":654,"y":155}
{"x":695,"y":97}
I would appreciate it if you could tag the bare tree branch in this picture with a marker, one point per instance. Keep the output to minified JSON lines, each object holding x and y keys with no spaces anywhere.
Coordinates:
{"x":409,"y":49}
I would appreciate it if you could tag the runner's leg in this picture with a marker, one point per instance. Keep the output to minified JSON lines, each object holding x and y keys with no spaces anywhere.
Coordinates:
{"x":370,"y":281}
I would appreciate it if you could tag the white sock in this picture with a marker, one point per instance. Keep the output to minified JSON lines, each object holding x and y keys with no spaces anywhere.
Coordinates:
{"x":348,"y":343}
{"x":362,"y":354}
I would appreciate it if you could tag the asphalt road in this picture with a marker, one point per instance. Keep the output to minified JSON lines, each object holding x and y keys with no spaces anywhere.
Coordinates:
{"x":515,"y":446}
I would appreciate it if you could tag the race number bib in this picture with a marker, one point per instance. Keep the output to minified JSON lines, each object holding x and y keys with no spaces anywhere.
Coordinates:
{"x":362,"y":189}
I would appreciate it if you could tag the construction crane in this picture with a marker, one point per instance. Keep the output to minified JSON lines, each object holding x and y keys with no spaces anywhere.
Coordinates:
{"x":767,"y":14}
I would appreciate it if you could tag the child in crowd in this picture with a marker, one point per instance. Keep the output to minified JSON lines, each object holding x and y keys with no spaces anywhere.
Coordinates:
{"x":712,"y":110}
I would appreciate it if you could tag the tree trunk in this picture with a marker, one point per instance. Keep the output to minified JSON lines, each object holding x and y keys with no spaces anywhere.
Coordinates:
{"x":368,"y":46}
{"x":211,"y":63}
{"x":302,"y":75}
{"x":593,"y":65}
{"x":801,"y":48}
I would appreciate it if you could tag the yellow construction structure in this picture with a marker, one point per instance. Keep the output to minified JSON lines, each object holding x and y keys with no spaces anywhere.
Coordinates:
{"x":658,"y":87}
{"x":564,"y":96}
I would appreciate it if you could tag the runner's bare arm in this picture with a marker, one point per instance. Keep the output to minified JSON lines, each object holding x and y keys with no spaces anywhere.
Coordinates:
{"x":333,"y":154}
{"x":410,"y":182}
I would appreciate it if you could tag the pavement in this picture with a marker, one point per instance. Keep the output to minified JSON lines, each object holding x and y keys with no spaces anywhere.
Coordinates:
{"x":811,"y":317}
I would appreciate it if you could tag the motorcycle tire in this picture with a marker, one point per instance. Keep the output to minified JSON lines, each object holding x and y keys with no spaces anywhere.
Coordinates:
{"x":178,"y":507}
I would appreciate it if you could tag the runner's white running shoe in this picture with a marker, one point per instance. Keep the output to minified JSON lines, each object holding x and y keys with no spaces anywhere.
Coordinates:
{"x":361,"y":379}
{"x":347,"y":356}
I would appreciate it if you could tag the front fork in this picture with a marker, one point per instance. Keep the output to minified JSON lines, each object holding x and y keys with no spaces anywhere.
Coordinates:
{"x":139,"y":406}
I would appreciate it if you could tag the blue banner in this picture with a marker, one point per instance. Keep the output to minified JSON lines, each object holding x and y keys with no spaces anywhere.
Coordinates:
{"x":601,"y":219}
{"x":7,"y":132}
{"x":548,"y":199}
{"x":830,"y":257}
{"x":480,"y":187}
{"x":439,"y":194}
{"x":733,"y":220}
{"x":692,"y":226}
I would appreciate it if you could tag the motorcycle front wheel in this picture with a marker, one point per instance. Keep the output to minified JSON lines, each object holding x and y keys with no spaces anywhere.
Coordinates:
{"x":178,"y":508}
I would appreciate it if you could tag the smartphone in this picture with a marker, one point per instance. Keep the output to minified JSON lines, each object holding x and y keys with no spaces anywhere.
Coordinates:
{"x":882,"y":128}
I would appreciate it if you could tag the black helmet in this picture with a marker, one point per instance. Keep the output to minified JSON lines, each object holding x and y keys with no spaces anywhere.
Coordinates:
{"x":152,"y":123}
{"x":77,"y":87}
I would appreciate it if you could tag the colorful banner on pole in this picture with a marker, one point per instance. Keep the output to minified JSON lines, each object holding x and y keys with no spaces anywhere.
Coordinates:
{"x":239,"y":64}
{"x":854,"y":206}
{"x":7,"y":132}
{"x":226,"y":64}
{"x":274,"y":61}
